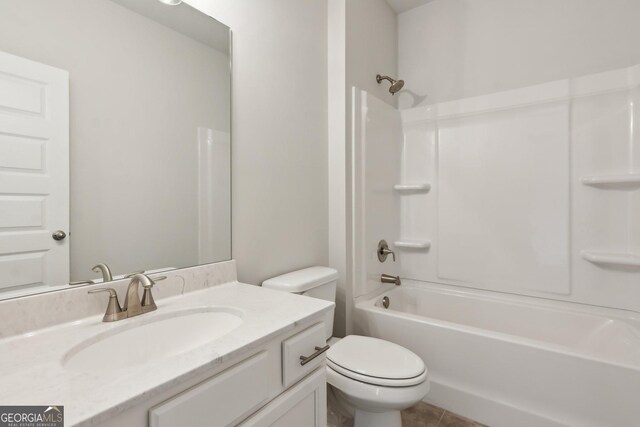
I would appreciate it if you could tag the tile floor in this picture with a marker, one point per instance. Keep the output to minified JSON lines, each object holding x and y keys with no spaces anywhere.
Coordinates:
{"x":420,"y":415}
{"x":425,"y":415}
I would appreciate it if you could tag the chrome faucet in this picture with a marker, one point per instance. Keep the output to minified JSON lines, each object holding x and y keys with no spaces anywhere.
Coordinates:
{"x":386,"y":278}
{"x":104,"y":269}
{"x":133,"y":304}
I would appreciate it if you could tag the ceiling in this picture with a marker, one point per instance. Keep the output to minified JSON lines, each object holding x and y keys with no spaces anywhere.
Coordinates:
{"x":183,"y":19}
{"x":403,"y":5}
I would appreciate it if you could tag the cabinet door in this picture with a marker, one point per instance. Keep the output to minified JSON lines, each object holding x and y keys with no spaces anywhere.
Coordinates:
{"x":303,"y":405}
{"x":218,"y":401}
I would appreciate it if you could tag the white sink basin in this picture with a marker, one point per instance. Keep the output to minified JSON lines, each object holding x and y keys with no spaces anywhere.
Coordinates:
{"x":140,"y":340}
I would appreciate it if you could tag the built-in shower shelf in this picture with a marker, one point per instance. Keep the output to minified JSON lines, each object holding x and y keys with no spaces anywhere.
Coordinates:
{"x":412,"y":188}
{"x":413,"y":244}
{"x":612,"y":181}
{"x":612,"y":258}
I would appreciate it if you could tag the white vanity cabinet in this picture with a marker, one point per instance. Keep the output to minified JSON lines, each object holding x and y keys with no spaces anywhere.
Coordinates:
{"x":219,"y":400}
{"x":266,"y":386}
{"x":304,"y":405}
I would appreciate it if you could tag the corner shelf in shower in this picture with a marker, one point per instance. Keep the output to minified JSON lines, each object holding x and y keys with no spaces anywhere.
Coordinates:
{"x":412,"y":244}
{"x":612,"y":258}
{"x":412,"y":188}
{"x":626,"y":180}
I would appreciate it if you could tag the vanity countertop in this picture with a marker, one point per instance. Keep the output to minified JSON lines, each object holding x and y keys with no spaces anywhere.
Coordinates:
{"x":32,"y":371}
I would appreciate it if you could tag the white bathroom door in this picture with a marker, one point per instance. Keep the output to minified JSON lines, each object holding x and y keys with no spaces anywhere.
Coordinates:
{"x":34,"y":173}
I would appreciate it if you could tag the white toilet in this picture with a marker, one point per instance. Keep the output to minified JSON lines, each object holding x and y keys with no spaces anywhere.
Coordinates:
{"x":375,"y":378}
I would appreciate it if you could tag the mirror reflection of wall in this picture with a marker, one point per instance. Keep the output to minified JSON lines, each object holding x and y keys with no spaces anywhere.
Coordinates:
{"x":149,"y":138}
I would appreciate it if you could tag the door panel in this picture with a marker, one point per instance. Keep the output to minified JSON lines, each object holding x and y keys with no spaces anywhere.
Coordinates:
{"x":34,"y":173}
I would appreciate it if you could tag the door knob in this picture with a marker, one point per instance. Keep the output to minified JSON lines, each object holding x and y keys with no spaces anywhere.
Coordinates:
{"x":59,"y":235}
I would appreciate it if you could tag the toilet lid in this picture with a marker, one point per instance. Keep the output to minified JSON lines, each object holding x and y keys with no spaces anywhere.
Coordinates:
{"x":370,"y":359}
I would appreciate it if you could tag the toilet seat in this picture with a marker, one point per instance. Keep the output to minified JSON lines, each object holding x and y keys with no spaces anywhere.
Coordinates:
{"x":375,"y":361}
{"x":384,"y":382}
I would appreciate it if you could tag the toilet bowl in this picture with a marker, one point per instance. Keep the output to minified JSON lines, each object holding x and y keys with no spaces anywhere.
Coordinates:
{"x":376,"y":378}
{"x":372,"y":379}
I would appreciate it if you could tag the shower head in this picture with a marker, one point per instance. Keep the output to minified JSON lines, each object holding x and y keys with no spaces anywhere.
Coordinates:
{"x":396,"y":85}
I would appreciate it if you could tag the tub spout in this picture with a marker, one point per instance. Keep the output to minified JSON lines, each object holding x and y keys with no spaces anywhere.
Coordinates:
{"x":386,"y":278}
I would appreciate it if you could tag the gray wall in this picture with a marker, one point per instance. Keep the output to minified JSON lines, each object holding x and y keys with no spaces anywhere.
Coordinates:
{"x":372,"y":46}
{"x":279,"y":160}
{"x":279,"y":150}
{"x":362,"y":43}
{"x":138,"y":92}
{"x":450,"y":49}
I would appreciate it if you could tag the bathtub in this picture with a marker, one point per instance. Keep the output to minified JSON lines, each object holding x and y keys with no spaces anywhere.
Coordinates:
{"x":512,"y":361}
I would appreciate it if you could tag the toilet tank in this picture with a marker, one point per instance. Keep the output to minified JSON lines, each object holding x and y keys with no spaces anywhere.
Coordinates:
{"x":315,"y":282}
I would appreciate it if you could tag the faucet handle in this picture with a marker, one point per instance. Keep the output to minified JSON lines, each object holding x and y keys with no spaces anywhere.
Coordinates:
{"x":153,"y":280}
{"x":82,"y":282}
{"x":112,"y":292}
{"x":114,"y":311}
{"x":383,"y":251}
{"x":148,"y":304}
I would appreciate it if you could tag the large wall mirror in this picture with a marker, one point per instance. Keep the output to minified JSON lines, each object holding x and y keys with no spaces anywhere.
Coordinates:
{"x":114,"y":140}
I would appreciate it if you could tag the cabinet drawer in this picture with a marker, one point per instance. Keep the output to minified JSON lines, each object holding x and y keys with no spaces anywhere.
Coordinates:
{"x":216,"y":401}
{"x":305,"y":343}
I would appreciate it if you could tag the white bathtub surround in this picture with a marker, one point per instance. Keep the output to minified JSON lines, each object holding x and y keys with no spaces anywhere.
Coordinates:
{"x":214,"y":185}
{"x":527,"y":233}
{"x":416,"y":244}
{"x":22,"y":315}
{"x":377,"y":139}
{"x":508,"y":360}
{"x":45,"y":373}
{"x":412,"y":188}
{"x":532,"y":191}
